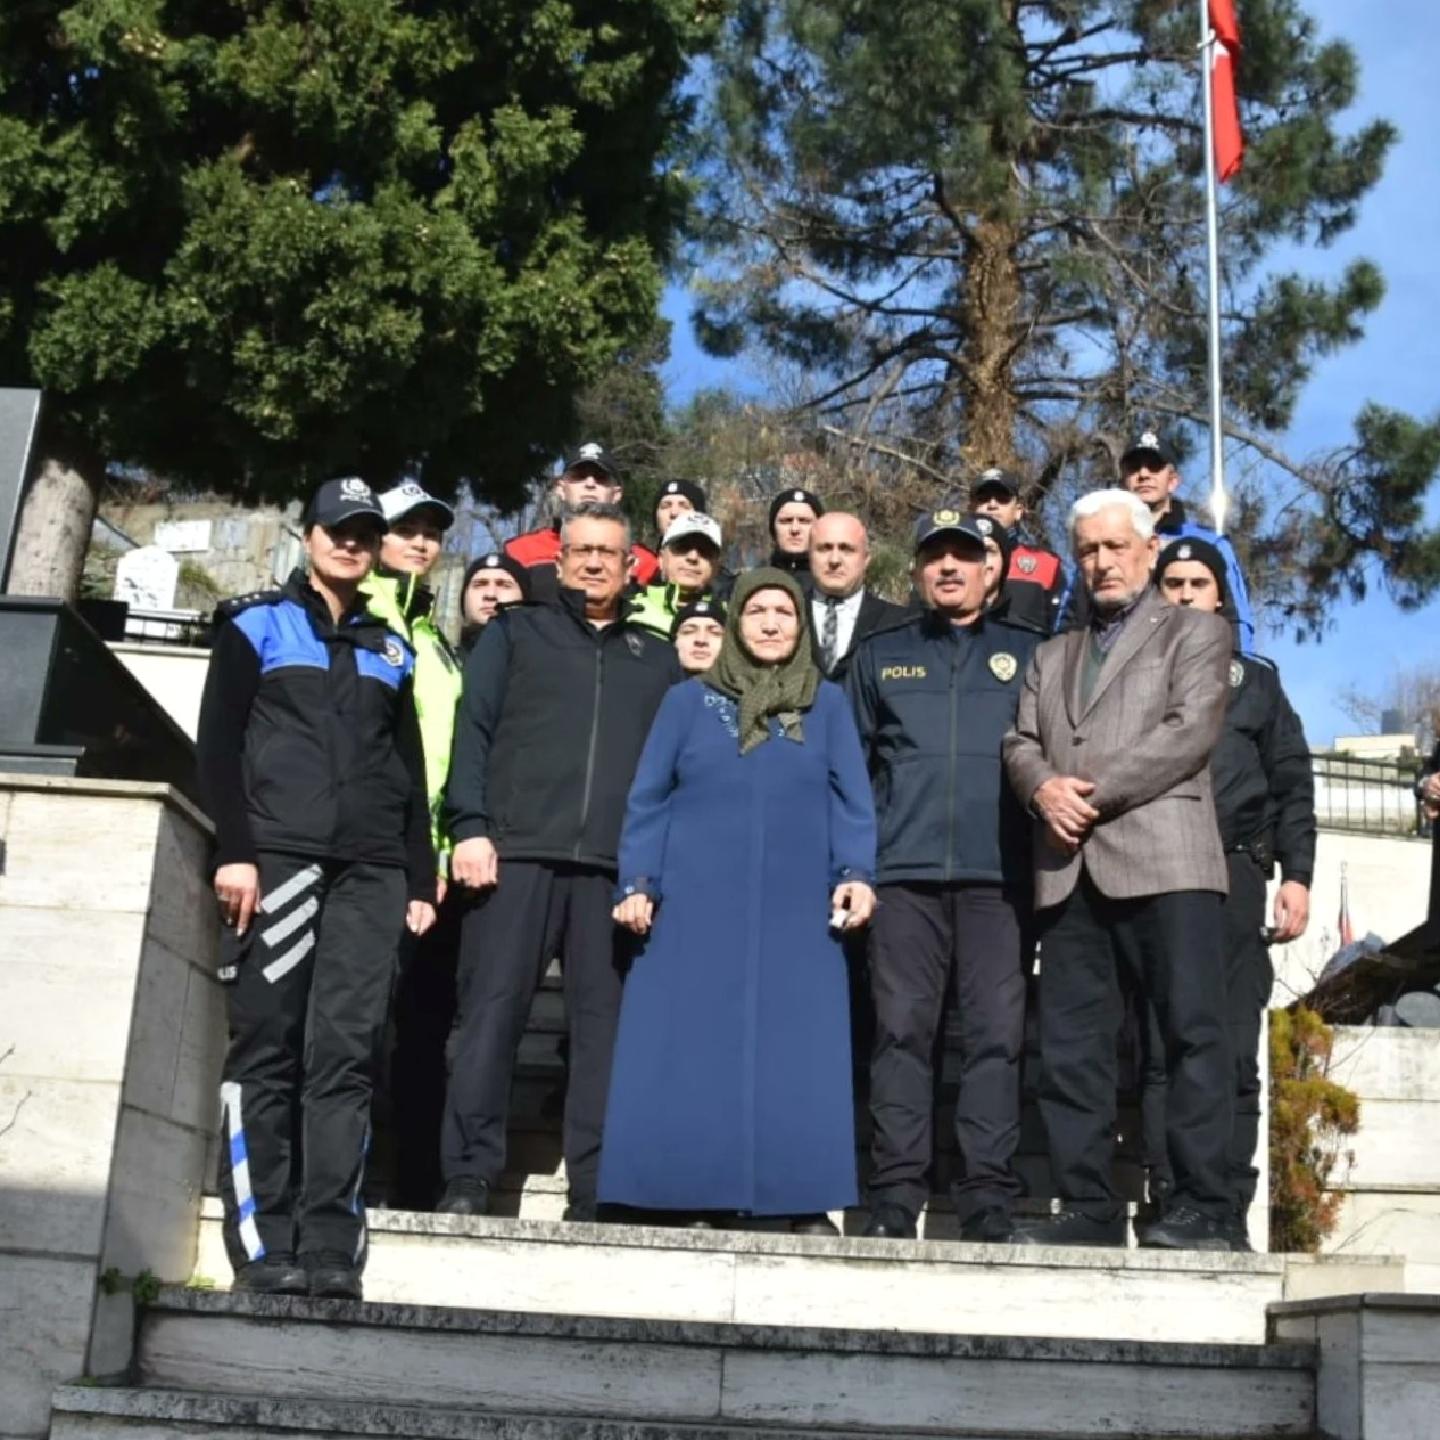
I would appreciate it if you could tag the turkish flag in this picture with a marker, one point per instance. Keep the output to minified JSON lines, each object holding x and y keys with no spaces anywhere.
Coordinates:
{"x":1229,"y":143}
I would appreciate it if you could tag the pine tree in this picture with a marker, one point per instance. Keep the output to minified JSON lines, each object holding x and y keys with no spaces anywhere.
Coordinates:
{"x":977,"y":225}
{"x":250,"y":243}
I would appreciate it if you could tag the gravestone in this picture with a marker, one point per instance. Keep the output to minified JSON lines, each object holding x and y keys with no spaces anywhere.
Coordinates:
{"x":147,"y":578}
{"x":19,"y":416}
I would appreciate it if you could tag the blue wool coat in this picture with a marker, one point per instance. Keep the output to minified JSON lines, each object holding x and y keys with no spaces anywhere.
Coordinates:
{"x":731,"y":1085}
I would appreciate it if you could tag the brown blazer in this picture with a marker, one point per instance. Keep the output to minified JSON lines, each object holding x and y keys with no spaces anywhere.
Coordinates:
{"x":1145,"y":740}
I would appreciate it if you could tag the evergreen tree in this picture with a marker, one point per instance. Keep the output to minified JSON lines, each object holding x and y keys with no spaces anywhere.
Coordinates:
{"x":251,"y":243}
{"x":979,"y":226}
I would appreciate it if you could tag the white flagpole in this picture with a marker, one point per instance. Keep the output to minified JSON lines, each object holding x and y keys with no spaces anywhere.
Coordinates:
{"x":1219,"y":501}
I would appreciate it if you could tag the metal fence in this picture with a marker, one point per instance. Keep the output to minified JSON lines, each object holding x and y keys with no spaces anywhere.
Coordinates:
{"x":1371,"y":797}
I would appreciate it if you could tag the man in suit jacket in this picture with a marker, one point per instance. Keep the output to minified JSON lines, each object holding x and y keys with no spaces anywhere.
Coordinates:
{"x":842,"y":611}
{"x":1110,"y":753}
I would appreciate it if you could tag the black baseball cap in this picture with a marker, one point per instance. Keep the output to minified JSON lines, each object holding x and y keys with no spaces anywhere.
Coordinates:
{"x":591,"y":453}
{"x":337,"y":501}
{"x":1147,"y":450}
{"x":948,"y":521}
{"x":995,"y":478}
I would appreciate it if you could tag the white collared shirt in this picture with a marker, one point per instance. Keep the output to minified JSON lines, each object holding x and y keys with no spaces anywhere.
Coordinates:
{"x":847,"y":616}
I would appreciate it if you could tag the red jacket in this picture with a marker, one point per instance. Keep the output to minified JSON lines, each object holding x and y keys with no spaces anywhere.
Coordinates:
{"x":542,"y":548}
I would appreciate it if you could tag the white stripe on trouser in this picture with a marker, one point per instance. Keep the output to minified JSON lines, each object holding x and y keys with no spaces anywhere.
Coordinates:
{"x":300,"y":881}
{"x":240,"y":1171}
{"x":283,"y":929}
{"x":277,"y":969}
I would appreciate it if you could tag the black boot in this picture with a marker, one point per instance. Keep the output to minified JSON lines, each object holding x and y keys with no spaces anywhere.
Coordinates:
{"x":812,"y":1225}
{"x":1071,"y":1227}
{"x":990,"y":1226}
{"x":890,"y":1222}
{"x":1185,"y":1228}
{"x":333,"y":1276}
{"x":274,"y":1275}
{"x":465,"y":1195}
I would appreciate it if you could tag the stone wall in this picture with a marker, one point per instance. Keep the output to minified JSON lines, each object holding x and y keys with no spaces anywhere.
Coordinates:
{"x":111,"y":1026}
{"x":1391,"y":1180}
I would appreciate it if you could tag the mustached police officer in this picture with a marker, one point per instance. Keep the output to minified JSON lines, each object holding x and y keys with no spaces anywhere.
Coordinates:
{"x":311,"y":766}
{"x":1265,"y":805}
{"x":934,"y":697}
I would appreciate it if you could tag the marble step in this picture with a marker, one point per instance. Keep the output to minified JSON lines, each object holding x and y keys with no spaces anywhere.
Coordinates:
{"x":944,"y":1287}
{"x":650,"y":1378}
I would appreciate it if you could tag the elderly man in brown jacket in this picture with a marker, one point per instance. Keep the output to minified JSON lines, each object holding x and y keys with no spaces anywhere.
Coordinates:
{"x":1110,"y":753}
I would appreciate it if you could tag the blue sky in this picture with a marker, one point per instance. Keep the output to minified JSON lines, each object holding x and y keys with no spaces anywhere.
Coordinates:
{"x":1397,"y":363}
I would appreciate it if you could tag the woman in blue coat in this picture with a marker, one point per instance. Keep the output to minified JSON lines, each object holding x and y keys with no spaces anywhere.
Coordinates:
{"x":748,"y":846}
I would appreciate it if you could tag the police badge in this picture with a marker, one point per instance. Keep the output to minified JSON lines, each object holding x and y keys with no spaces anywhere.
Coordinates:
{"x":1003,"y":666}
{"x":1237,"y":674}
{"x":1026,"y":564}
{"x":392,"y":653}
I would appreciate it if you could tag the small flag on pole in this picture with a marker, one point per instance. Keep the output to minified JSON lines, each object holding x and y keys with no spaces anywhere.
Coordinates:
{"x":1229,"y":143}
{"x":1347,"y":930}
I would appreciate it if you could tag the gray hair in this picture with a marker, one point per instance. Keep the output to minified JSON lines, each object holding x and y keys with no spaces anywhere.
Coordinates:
{"x":593,"y":510}
{"x":1097,"y":500}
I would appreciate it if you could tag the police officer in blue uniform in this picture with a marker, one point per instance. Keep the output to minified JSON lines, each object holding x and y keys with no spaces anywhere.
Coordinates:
{"x":311,"y":768}
{"x":933,"y":698}
{"x":1265,"y":805}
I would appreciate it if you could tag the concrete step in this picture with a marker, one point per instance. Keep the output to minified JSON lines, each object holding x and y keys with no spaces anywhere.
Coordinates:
{"x":920,"y":1286}
{"x":340,"y":1370}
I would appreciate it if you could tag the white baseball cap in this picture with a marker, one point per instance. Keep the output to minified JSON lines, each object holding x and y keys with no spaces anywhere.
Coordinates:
{"x":692,"y":522}
{"x":412,"y":496}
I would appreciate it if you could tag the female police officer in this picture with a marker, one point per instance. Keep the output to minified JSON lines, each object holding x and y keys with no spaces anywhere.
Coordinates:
{"x":311,"y":767}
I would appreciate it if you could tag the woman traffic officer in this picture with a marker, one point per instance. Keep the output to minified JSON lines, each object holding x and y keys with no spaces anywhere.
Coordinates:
{"x":311,"y":767}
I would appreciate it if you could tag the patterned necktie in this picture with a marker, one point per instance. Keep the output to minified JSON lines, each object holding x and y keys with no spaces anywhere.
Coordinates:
{"x":830,"y":634}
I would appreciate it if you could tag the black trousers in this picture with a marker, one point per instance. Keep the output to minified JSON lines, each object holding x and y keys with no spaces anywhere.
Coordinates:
{"x":1095,"y":954}
{"x":307,"y":990}
{"x":424,"y":1014}
{"x":508,"y":937}
{"x":1249,"y":977}
{"x":919,"y":933}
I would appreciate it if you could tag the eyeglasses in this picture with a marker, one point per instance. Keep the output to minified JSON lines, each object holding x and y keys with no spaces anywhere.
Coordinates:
{"x":610,"y":554}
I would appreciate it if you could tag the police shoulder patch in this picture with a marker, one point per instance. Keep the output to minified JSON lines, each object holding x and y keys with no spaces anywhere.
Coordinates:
{"x":392,"y":651}
{"x":1003,"y":665}
{"x":1026,"y":564}
{"x":1237,"y":674}
{"x":236,"y":603}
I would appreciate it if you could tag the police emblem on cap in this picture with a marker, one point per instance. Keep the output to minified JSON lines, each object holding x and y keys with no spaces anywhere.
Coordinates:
{"x":673,"y":488}
{"x":491,"y":562}
{"x":800,"y":496}
{"x":993,"y":473}
{"x":983,"y":524}
{"x":1026,"y":564}
{"x":392,"y":653}
{"x":1184,"y":553}
{"x":352,"y":488}
{"x":1237,"y":674}
{"x":945,"y":517}
{"x":590,"y":451}
{"x":1003,"y":666}
{"x":1149,"y":441}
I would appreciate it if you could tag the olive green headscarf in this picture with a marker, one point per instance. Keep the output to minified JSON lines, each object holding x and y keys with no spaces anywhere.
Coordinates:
{"x":783,"y":691}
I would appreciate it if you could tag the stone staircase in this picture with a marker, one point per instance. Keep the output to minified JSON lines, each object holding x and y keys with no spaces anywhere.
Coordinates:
{"x":244,"y":1367}
{"x":517,"y":1326}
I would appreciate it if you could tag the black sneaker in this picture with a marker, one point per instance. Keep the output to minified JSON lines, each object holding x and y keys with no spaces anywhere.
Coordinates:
{"x":1070,"y":1227}
{"x":1185,"y":1228}
{"x":274,"y":1275}
{"x":333,"y":1276}
{"x":990,"y":1226}
{"x":890,"y":1222}
{"x":583,"y":1212}
{"x":465,"y":1195}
